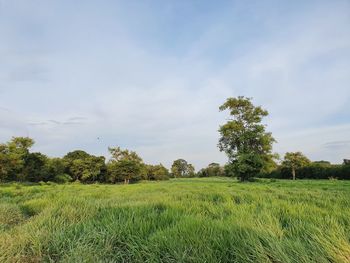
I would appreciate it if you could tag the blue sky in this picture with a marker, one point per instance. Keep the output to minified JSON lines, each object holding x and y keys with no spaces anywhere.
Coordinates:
{"x":150,"y":75}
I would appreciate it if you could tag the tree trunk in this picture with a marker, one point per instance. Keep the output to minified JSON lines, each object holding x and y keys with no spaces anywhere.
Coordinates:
{"x":293,"y":173}
{"x":125,"y":182}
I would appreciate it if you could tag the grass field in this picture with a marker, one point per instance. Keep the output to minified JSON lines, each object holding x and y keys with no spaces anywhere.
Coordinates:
{"x":184,"y":220}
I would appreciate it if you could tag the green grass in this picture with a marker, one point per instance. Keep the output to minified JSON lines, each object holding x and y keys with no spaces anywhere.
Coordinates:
{"x":189,"y":220}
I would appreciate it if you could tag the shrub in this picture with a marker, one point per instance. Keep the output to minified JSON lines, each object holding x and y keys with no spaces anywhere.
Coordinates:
{"x":62,"y":178}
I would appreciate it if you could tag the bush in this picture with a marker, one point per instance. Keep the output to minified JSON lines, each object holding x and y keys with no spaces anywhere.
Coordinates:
{"x":62,"y":178}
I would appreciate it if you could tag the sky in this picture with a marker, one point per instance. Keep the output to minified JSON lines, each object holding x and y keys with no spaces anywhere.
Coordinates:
{"x":150,"y":75}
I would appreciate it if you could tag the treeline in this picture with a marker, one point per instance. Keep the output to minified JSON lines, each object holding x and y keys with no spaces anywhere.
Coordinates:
{"x":313,"y":170}
{"x":294,"y":165}
{"x":17,"y":163}
{"x":297,"y":165}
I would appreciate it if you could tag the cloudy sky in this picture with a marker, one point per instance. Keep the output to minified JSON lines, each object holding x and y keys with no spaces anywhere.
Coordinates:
{"x":150,"y":75}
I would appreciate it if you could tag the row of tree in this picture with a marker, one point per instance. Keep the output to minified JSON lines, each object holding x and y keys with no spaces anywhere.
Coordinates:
{"x":243,"y":138}
{"x":294,"y":165}
{"x":17,"y":163}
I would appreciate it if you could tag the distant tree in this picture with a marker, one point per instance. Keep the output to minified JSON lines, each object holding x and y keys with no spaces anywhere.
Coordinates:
{"x":56,"y":166}
{"x":190,"y":170}
{"x":157,"y":172}
{"x":35,"y":167}
{"x":294,"y":161}
{"x":69,"y":159}
{"x":4,"y":162}
{"x":56,"y":169}
{"x":213,"y":169}
{"x":97,"y":168}
{"x":17,"y":153}
{"x":124,"y":170}
{"x":21,"y":144}
{"x":244,"y":139}
{"x":181,"y":168}
{"x":74,"y":155}
{"x":124,"y":166}
{"x":119,"y":154}
{"x":18,"y":164}
{"x":83,"y":166}
{"x":322,"y":162}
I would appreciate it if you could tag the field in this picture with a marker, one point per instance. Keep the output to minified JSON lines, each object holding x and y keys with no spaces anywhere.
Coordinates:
{"x":183,"y":220}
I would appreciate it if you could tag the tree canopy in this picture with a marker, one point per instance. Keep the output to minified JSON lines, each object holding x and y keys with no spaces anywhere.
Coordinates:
{"x":124,"y":165}
{"x":294,"y":161}
{"x":244,"y":139}
{"x":181,"y":168}
{"x":213,"y":169}
{"x":84,"y":167}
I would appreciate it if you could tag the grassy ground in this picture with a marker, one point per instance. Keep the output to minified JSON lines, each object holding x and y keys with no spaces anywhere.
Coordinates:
{"x":189,"y":220}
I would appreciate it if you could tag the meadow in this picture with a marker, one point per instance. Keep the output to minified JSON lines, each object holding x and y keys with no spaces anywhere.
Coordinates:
{"x":180,"y":220}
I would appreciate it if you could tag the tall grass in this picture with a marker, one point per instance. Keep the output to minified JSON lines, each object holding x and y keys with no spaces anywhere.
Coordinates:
{"x":189,"y":220}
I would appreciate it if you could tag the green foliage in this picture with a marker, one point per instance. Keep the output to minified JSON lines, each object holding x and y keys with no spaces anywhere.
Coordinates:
{"x":156,"y":172}
{"x":75,"y":155}
{"x":213,"y":169}
{"x":35,"y":168}
{"x":248,"y":165}
{"x":244,"y":139}
{"x":182,"y":220}
{"x":294,"y":161}
{"x":180,"y":168}
{"x":314,"y":170}
{"x":13,"y":156}
{"x":229,"y":170}
{"x":4,"y":162}
{"x":124,"y":170}
{"x":62,"y":178}
{"x":55,"y":167}
{"x":124,"y":166}
{"x":118,"y":154}
{"x":18,"y":164}
{"x":84,"y":167}
{"x":269,"y":162}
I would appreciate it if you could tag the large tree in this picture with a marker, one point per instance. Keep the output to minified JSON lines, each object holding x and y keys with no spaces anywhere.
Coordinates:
{"x":56,"y":168}
{"x":35,"y":168}
{"x":119,"y":154}
{"x":83,"y":166}
{"x":124,"y":165}
{"x":244,"y":138}
{"x":16,"y":152}
{"x":294,"y":161}
{"x":181,"y":168}
{"x":156,"y":172}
